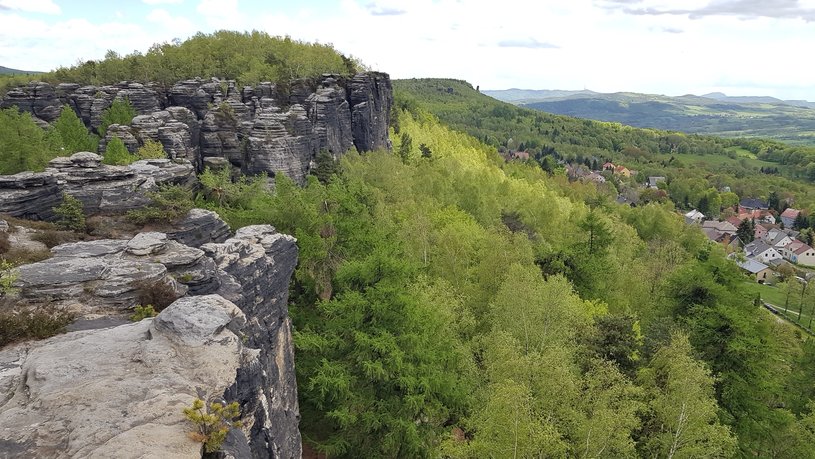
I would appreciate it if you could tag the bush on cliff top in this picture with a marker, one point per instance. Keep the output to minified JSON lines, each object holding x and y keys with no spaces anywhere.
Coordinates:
{"x":249,"y":57}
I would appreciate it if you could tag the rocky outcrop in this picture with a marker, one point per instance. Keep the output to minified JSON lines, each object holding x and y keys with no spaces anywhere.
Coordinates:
{"x":101,"y":188}
{"x":200,"y":227}
{"x":258,"y":263}
{"x":29,"y":195}
{"x":119,"y":392}
{"x":261,"y":129}
{"x":98,"y":280}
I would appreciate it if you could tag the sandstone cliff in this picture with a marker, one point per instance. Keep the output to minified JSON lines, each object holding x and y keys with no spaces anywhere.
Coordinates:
{"x":111,"y":388}
{"x":260,"y":129}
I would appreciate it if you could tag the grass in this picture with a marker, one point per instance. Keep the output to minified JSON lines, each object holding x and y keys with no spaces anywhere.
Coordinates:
{"x":777,"y":298}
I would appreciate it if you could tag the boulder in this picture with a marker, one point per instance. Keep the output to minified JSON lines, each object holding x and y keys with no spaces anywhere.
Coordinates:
{"x":119,"y":392}
{"x":200,"y":227}
{"x":30,"y":195}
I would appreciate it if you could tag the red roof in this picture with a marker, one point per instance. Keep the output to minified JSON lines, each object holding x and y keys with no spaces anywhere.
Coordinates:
{"x":790,"y":213}
{"x":801,"y":249}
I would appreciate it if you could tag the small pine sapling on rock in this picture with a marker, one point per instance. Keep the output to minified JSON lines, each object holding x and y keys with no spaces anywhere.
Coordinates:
{"x":213,"y":424}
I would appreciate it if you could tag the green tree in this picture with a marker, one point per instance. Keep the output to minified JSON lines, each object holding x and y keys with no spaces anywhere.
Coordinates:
{"x":116,"y":153}
{"x":151,"y":150}
{"x":746,"y":231}
{"x":71,"y":213}
{"x":682,"y":417}
{"x":23,"y":144}
{"x":73,"y":133}
{"x":405,"y":146}
{"x":120,"y":112}
{"x":326,"y":166}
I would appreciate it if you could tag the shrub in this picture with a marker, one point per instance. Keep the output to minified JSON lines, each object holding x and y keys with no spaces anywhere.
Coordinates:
{"x":151,"y":150}
{"x":158,"y":294}
{"x":53,"y":238}
{"x":5,"y":245}
{"x":22,"y":256}
{"x":121,"y":112}
{"x":71,"y":214}
{"x":23,"y":144}
{"x":169,"y":204}
{"x":116,"y":153}
{"x":214,"y":424}
{"x":7,"y":277}
{"x":39,"y":323}
{"x":143,"y":312}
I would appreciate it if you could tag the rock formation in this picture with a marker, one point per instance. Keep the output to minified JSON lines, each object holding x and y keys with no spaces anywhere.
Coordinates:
{"x":101,"y":188}
{"x":128,"y":384}
{"x":262,"y":129}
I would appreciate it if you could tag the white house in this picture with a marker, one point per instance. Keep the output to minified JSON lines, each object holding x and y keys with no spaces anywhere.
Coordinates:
{"x":778,"y":239}
{"x":761,"y":251}
{"x":694,"y":216}
{"x":724,"y":227}
{"x":761,"y":271}
{"x":798,"y":252}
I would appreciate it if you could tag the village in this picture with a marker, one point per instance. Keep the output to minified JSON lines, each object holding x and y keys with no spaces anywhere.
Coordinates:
{"x":766,"y":244}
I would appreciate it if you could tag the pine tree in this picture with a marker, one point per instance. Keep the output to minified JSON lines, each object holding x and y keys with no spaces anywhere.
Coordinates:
{"x":73,"y":134}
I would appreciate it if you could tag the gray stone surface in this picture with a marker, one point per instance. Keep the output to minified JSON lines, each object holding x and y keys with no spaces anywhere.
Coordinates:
{"x":119,"y":392}
{"x":29,"y":195}
{"x":199,"y":227}
{"x":259,"y":262}
{"x":103,"y":188}
{"x":371,"y":96}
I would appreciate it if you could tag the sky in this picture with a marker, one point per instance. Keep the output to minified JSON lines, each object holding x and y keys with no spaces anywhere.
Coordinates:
{"x":671,"y":47}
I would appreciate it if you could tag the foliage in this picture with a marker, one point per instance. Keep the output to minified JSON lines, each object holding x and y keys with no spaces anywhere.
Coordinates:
{"x":116,"y":153}
{"x":249,"y":57}
{"x":8,"y":275}
{"x":212,"y":425}
{"x":24,"y":146}
{"x":520,"y":310}
{"x":326,"y":166}
{"x":71,"y":214}
{"x":143,"y":312}
{"x":120,"y":112}
{"x":169,"y":204}
{"x":157,"y":294}
{"x":52,"y":238}
{"x":151,"y":150}
{"x":73,"y":134}
{"x":38,"y":323}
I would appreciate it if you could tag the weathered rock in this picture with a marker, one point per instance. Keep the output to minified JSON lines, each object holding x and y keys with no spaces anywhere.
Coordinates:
{"x":197,"y":95}
{"x":103,"y":188}
{"x":3,"y":226}
{"x":260,"y":262}
{"x":124,"y":133}
{"x":119,"y":392}
{"x":29,"y":195}
{"x":281,"y":143}
{"x":200,"y":227}
{"x":37,"y":97}
{"x":371,"y":97}
{"x":330,"y":114}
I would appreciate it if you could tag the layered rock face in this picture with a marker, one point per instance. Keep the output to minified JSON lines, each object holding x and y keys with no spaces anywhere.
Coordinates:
{"x":262,"y":129}
{"x":93,"y":392}
{"x":101,"y":188}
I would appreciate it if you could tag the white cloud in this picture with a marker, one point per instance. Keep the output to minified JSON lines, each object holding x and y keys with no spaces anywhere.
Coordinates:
{"x":31,"y":6}
{"x":162,"y":2}
{"x":222,"y":14}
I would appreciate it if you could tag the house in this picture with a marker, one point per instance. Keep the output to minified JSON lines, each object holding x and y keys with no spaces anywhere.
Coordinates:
{"x":788,"y":217}
{"x":753,"y":204}
{"x":761,"y":251}
{"x":694,"y":216}
{"x":622,"y":170}
{"x":576,"y":171}
{"x":609,"y":166}
{"x":723,"y":227}
{"x":593,"y":177}
{"x":653,"y":182}
{"x":777,"y":238}
{"x":760,"y":233}
{"x":798,"y":252}
{"x":760,"y":271}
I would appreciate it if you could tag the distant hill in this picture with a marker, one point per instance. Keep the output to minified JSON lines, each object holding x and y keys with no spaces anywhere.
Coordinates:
{"x":10,"y":71}
{"x":714,"y":113}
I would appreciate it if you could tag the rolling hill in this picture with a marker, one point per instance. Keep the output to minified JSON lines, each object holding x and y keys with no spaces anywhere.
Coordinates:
{"x":10,"y":71}
{"x":715,"y":113}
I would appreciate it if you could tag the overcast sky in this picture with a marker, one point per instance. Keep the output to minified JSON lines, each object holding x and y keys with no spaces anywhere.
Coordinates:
{"x":673,"y":47}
